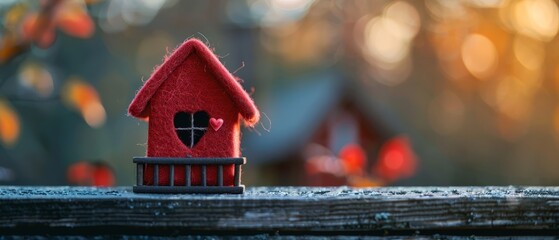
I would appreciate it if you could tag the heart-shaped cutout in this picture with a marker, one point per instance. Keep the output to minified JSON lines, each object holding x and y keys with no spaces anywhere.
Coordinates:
{"x":216,"y":123}
{"x":191,"y":127}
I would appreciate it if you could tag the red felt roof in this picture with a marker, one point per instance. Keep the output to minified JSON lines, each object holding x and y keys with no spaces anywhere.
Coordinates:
{"x":139,"y":106}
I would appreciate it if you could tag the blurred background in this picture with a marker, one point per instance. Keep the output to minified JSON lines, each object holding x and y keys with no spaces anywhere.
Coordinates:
{"x":360,"y":93}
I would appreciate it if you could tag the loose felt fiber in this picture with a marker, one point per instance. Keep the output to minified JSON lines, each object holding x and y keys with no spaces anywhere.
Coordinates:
{"x":192,"y":79}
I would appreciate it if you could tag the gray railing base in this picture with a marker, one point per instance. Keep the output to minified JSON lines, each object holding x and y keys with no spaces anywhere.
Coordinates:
{"x":189,"y":189}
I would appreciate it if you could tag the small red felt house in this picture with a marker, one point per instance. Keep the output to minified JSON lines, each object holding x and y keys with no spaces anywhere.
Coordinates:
{"x":194,"y":107}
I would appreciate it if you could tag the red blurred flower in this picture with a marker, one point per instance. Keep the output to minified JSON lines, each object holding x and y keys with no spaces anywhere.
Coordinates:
{"x":79,"y":173}
{"x":396,"y":160}
{"x":90,"y":174}
{"x":353,"y":159}
{"x":103,"y":176}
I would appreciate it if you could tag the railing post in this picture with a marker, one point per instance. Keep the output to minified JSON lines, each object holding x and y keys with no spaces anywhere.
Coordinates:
{"x":156,"y":175}
{"x":237,"y":174}
{"x":187,"y":175}
{"x":203,"y":175}
{"x":139,"y":174}
{"x":220,"y":175}
{"x":172,"y":175}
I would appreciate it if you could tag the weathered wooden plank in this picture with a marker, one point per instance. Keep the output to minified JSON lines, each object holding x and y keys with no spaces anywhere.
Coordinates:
{"x":294,"y":210}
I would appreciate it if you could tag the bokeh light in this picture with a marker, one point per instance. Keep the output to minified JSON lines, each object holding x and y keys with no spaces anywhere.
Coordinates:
{"x":353,"y":159}
{"x":405,"y":17}
{"x":84,"y":173}
{"x":396,"y":160}
{"x":388,"y":39}
{"x":34,"y":76}
{"x":383,"y":44}
{"x":279,"y":12}
{"x":536,"y":19}
{"x":119,"y":14}
{"x":479,"y":55}
{"x":529,"y":52}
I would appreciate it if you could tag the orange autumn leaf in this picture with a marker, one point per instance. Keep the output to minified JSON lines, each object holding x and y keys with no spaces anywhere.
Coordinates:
{"x":9,"y":124}
{"x":84,"y":98}
{"x":69,"y":15}
{"x":13,"y":16}
{"x":9,"y":47}
{"x":74,"y":20}
{"x":79,"y":94}
{"x":39,"y":29}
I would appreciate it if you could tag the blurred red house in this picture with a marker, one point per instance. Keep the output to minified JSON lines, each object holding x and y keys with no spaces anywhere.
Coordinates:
{"x":328,"y":130}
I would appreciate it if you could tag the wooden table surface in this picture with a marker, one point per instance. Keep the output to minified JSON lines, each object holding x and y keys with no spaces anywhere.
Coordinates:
{"x":283,"y":211}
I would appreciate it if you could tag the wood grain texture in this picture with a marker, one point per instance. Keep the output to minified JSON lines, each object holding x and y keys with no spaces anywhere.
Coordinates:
{"x":290,"y":210}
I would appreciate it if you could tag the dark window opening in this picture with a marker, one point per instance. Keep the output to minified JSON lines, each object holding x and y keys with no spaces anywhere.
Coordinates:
{"x":190,"y":128}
